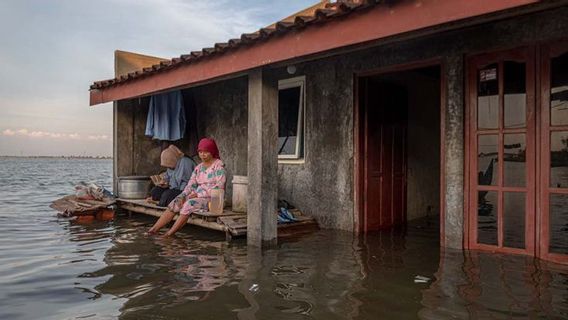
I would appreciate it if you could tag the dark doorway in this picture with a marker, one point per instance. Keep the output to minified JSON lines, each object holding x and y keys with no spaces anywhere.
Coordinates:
{"x":399,"y":156}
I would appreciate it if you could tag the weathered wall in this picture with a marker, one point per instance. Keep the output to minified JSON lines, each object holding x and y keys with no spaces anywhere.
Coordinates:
{"x":123,"y":138}
{"x":323,"y":185}
{"x":136,"y":154}
{"x":221,"y":113}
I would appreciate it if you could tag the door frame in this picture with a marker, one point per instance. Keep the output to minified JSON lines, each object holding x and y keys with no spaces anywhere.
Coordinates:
{"x":543,"y":51}
{"x":546,"y":52}
{"x":359,"y":136}
{"x":470,"y":221}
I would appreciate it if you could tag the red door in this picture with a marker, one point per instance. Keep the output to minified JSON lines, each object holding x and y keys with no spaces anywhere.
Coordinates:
{"x":510,"y":210}
{"x":502,"y":151}
{"x":385,"y":118}
{"x":554,"y":153}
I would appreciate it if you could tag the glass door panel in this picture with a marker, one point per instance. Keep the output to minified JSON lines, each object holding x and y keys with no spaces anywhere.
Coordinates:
{"x":558,"y":224}
{"x":559,"y":159}
{"x":487,"y":155}
{"x":501,"y":138}
{"x":515,"y":160}
{"x":559,"y":90}
{"x":554,"y":158}
{"x":515,"y":94}
{"x":488,"y":97}
{"x":514,"y":204}
{"x":487,"y":227}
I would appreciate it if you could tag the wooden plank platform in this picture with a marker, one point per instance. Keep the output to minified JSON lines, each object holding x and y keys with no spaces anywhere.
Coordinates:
{"x":234,"y":224}
{"x":141,"y":206}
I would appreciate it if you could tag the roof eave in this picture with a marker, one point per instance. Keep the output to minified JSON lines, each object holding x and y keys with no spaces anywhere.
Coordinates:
{"x":356,"y":28}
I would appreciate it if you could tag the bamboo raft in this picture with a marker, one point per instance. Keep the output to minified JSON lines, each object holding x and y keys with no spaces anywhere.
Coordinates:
{"x":71,"y":206}
{"x":233,"y":224}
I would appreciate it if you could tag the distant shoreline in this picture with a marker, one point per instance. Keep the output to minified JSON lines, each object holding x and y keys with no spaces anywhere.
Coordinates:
{"x":59,"y":157}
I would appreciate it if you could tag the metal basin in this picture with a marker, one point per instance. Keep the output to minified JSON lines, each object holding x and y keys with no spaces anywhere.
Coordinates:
{"x":133,"y":187}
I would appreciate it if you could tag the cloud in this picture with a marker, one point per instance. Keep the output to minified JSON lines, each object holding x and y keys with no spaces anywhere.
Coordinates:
{"x":54,"y":135}
{"x":98,"y":137}
{"x":77,"y":40}
{"x":8,"y":132}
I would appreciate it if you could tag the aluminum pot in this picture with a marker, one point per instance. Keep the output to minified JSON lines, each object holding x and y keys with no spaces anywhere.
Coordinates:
{"x":133,"y":187}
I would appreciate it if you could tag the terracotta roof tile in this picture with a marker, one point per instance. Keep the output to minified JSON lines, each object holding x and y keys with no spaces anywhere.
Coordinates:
{"x":331,"y":11}
{"x":265,"y":32}
{"x":221,"y":46}
{"x":283,"y":26}
{"x":208,"y":51}
{"x":234,"y":42}
{"x":303,"y":20}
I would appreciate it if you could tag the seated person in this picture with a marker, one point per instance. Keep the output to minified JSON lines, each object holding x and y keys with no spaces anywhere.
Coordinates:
{"x":179,"y":169}
{"x":208,"y":175}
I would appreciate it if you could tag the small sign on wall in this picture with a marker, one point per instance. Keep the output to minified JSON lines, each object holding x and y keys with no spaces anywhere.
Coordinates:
{"x":488,"y":75}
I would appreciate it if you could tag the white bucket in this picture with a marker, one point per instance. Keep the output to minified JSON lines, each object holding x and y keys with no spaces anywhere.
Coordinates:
{"x":240,"y":187}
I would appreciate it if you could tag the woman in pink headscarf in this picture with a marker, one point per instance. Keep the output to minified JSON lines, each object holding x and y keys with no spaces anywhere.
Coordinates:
{"x":208,"y":175}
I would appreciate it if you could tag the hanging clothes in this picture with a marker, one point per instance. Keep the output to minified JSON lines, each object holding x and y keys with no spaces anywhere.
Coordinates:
{"x":166,"y":116}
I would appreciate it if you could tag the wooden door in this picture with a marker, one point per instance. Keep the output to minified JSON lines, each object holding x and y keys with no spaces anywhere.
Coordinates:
{"x":553,"y":218}
{"x":501,"y":93}
{"x":385,"y":155}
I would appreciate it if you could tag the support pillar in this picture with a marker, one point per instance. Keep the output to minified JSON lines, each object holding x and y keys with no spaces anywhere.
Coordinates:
{"x":123,"y":140}
{"x":454,"y":157}
{"x":262,"y":159}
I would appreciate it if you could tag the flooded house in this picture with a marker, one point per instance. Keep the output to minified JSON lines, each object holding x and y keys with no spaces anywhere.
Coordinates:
{"x":370,"y":114}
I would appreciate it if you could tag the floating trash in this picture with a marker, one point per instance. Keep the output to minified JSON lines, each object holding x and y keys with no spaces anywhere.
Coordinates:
{"x":421,"y":279}
{"x":254,"y":288}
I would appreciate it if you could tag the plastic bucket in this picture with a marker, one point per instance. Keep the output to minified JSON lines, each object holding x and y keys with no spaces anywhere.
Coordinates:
{"x":240,"y":187}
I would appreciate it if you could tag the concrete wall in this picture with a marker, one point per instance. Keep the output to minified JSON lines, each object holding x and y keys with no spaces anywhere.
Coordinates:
{"x":220,"y":112}
{"x":136,"y":154}
{"x":323,"y":185}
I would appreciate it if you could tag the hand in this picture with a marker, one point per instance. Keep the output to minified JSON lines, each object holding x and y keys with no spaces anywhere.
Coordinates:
{"x":179,"y":200}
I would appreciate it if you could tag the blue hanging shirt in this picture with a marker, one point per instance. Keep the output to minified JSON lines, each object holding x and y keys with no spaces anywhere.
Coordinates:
{"x":166,"y":116}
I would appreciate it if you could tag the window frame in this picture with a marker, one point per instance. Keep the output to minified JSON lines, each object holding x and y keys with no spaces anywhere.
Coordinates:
{"x":288,"y":84}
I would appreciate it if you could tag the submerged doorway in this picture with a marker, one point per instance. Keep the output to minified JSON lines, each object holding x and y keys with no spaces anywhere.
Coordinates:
{"x":399,"y":147}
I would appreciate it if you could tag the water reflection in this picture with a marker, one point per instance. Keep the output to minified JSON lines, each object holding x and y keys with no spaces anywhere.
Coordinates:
{"x":324,"y":275}
{"x":480,"y":285}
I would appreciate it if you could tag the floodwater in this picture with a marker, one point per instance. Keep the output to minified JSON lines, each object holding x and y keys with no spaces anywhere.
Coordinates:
{"x":58,"y":268}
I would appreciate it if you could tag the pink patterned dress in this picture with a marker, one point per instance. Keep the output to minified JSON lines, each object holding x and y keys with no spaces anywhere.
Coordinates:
{"x":202,"y":181}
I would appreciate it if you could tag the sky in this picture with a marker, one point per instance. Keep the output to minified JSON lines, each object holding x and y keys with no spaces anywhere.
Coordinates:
{"x":51,"y":51}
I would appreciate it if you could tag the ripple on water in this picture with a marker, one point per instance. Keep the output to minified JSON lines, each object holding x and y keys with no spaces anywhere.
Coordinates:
{"x":54,"y":268}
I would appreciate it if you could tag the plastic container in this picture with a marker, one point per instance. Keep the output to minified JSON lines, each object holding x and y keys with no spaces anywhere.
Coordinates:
{"x":240,"y":187}
{"x":217,"y":201}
